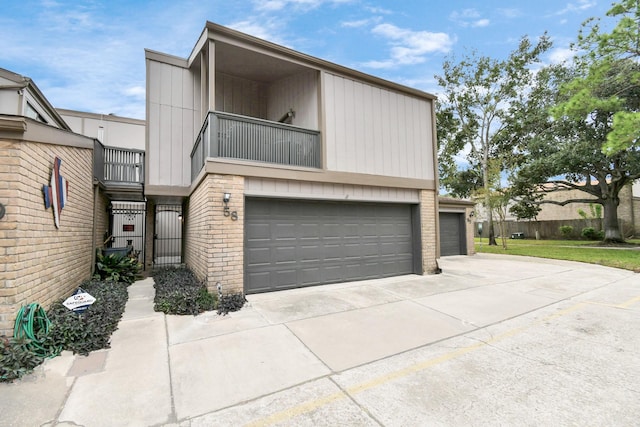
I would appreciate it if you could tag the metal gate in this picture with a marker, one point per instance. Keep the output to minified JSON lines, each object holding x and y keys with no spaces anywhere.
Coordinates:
{"x":127,"y":226}
{"x":167,"y":240}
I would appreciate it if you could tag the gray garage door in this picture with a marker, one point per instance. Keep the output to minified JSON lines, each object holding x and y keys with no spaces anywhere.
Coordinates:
{"x":291,"y":244}
{"x":452,"y":237}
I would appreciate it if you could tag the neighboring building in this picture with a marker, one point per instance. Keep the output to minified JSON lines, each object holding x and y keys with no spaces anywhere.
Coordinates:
{"x":42,"y":262}
{"x":111,"y":130}
{"x":121,"y":141}
{"x":331,"y":173}
{"x":456,"y":226}
{"x":552,"y":216}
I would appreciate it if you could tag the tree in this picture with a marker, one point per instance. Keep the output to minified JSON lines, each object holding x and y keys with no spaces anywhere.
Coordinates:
{"x":476,"y":103}
{"x":601,"y":52}
{"x":562,"y":149}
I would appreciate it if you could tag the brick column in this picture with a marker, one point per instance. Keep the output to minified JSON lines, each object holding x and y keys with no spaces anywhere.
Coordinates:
{"x":428,"y":225}
{"x":214,"y":246}
{"x":470,"y":230}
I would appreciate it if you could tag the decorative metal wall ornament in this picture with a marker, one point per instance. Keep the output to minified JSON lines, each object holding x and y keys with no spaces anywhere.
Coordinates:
{"x":55,"y":194}
{"x":2,"y":211}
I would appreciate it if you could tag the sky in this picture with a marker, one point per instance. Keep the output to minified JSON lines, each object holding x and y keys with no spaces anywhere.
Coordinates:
{"x":88,"y":55}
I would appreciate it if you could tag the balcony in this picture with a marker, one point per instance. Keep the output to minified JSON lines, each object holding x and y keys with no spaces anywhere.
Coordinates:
{"x":120,"y":170}
{"x":232,"y":136}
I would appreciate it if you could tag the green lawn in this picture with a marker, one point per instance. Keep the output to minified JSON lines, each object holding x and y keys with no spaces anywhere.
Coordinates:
{"x":571,"y":250}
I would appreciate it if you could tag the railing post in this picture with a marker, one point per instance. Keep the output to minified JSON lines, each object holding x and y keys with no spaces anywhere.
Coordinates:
{"x":212,"y":137}
{"x":98,"y":160}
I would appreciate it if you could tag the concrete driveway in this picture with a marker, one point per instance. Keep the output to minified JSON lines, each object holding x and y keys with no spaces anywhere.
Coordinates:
{"x":494,"y":340}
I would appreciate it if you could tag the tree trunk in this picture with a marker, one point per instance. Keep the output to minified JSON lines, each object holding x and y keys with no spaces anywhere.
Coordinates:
{"x":611,"y":227}
{"x":492,"y":235}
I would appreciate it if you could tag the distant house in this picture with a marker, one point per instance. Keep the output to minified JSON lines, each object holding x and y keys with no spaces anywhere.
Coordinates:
{"x":552,"y":216}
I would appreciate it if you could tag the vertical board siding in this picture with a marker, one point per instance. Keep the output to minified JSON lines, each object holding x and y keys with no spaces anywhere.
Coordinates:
{"x":376,"y":131}
{"x":325,"y":191}
{"x":174,"y":103}
{"x":298,"y":92}
{"x":240,"y":96}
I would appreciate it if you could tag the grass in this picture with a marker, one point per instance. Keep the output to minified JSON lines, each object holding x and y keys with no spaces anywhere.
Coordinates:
{"x":627,"y":258}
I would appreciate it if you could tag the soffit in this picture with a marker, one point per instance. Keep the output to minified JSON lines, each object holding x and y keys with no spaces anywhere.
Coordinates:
{"x":252,"y":65}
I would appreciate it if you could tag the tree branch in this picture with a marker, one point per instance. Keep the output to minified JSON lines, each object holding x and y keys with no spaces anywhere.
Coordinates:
{"x":566,"y":202}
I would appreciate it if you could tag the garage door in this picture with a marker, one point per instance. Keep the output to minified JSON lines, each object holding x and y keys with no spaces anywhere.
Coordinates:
{"x":452,"y":237}
{"x":291,"y":244}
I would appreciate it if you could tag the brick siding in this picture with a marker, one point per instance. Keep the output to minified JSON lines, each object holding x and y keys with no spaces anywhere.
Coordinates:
{"x":41,"y":263}
{"x":428,"y":230}
{"x":214,"y":243}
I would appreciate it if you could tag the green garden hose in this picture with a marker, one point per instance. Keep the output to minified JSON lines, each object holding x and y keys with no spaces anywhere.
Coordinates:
{"x":33,"y":324}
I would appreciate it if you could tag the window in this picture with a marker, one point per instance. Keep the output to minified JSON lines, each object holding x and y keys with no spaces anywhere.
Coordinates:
{"x":33,"y":113}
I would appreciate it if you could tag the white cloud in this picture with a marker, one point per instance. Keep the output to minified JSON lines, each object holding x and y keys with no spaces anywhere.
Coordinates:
{"x":480,"y":23}
{"x":561,"y":54}
{"x":360,"y":23}
{"x":264,"y":29}
{"x":378,"y":10}
{"x":469,"y":18}
{"x":276,"y":5}
{"x":509,"y":12}
{"x":464,"y":14}
{"x":135,"y":91}
{"x":409,"y":47}
{"x":581,"y":5}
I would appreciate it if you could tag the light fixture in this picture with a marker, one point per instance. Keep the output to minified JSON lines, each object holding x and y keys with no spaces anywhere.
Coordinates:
{"x":471,"y":215}
{"x":225,"y":198}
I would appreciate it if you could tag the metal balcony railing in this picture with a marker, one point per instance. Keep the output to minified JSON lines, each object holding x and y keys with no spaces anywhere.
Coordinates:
{"x":118,"y":165}
{"x":239,"y":137}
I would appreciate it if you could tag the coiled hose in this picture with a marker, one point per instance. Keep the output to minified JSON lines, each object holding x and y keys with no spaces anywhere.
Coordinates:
{"x":33,"y":324}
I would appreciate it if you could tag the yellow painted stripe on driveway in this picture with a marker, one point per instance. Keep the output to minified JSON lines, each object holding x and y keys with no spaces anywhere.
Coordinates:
{"x":312,"y":405}
{"x":629,"y":303}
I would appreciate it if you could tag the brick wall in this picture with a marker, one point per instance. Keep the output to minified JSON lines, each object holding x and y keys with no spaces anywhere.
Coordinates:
{"x":470,"y":230}
{"x":40,"y":262}
{"x":214,"y":243}
{"x":428,"y":230}
{"x":101,"y":219}
{"x":197,"y":232}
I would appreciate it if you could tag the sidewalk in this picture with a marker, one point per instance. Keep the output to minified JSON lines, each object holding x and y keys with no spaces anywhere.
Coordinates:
{"x":306,"y":356}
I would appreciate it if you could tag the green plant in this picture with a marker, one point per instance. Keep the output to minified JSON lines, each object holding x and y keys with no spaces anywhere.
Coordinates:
{"x":91,"y":330}
{"x":178,"y":291}
{"x":621,"y":256}
{"x":232,"y":302}
{"x":591,"y":233}
{"x":117,"y":268}
{"x":16,"y":360}
{"x":566,"y":230}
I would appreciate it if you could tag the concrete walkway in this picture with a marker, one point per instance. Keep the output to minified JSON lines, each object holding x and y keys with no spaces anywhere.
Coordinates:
{"x":492,"y":340}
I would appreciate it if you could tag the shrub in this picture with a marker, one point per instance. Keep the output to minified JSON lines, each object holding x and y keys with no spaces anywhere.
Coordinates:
{"x":232,"y":302}
{"x":566,"y":230}
{"x":117,"y":268}
{"x":591,"y":234}
{"x":91,"y":330}
{"x":178,"y":291}
{"x":16,"y":360}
